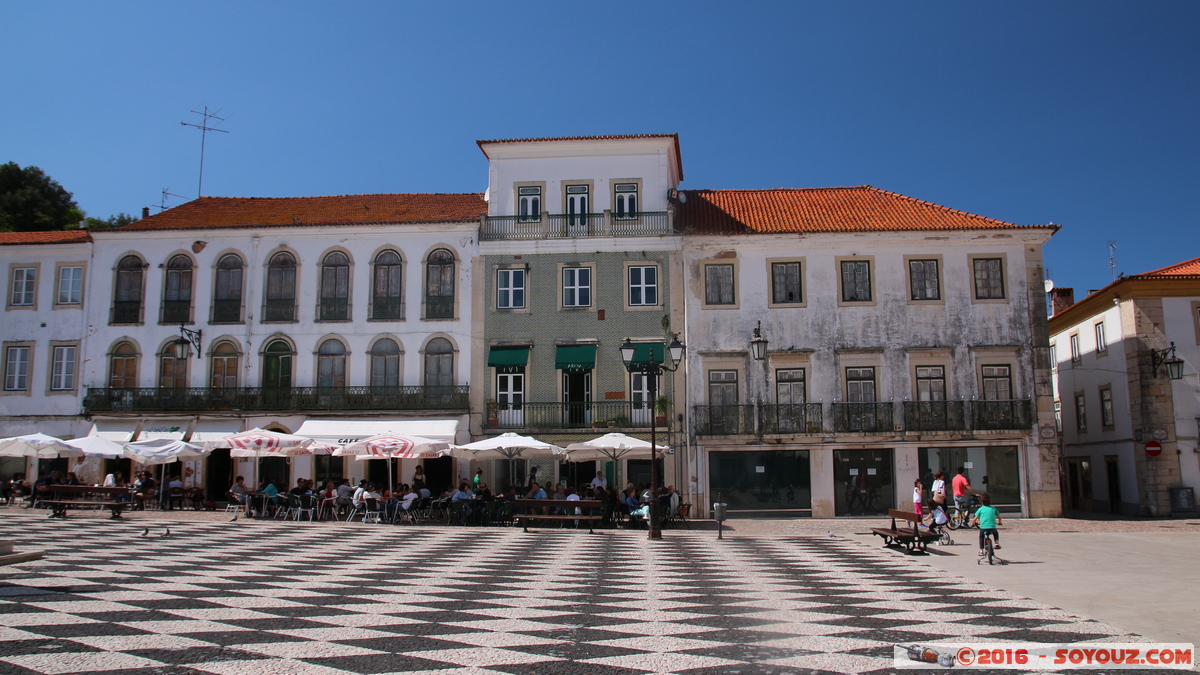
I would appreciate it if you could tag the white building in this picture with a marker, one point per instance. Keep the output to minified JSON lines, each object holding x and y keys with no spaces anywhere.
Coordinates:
{"x":1110,"y":351}
{"x":903,"y":338}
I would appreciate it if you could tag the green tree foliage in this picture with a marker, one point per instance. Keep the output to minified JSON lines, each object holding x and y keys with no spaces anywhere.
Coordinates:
{"x":31,"y":201}
{"x":119,"y":220}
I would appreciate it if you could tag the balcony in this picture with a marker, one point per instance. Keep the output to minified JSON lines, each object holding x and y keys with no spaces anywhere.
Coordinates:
{"x":333,"y":309}
{"x":792,"y":418}
{"x":126,"y":311}
{"x":569,"y":226}
{"x":724,"y":420}
{"x":227,"y":311}
{"x":935,"y":416}
{"x":156,"y":399}
{"x":176,"y":311}
{"x":387,"y":308}
{"x":1016,"y":415}
{"x":862,"y":417}
{"x":439,"y":307}
{"x":279,"y":310}
{"x":570,"y":415}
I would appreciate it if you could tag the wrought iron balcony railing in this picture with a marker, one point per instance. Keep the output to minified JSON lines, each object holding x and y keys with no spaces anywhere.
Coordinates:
{"x":279,"y":310}
{"x":383,"y":309}
{"x":571,"y":415}
{"x":566,"y":226}
{"x":935,"y":416}
{"x":176,"y":311}
{"x":126,"y":311}
{"x":185,"y":399}
{"x":791,"y":418}
{"x":1011,"y":415}
{"x":862,"y":417}
{"x":227,"y":311}
{"x":333,"y":309}
{"x":439,"y":307}
{"x":724,"y":420}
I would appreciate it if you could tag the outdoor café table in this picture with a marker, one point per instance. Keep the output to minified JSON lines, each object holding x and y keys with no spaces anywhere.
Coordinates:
{"x":532,"y":506}
{"x":62,"y":497}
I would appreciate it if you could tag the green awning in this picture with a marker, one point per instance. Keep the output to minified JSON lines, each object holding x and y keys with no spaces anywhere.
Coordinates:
{"x":643,"y":351}
{"x":575,"y":358}
{"x":508,"y":359}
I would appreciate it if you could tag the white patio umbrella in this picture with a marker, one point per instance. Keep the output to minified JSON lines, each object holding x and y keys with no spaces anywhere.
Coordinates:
{"x":163,"y":451}
{"x":394,"y":446}
{"x":263,"y":443}
{"x":509,"y":446}
{"x":613,"y":447}
{"x":97,"y":446}
{"x":37,"y":445}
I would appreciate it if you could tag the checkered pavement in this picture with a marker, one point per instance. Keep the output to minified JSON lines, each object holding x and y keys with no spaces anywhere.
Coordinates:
{"x":268,"y":598}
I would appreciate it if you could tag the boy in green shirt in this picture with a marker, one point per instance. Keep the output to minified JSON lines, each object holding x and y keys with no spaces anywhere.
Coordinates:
{"x":986,"y":518}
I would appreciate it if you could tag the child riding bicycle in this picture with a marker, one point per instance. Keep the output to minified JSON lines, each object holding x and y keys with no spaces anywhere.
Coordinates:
{"x":986,"y":518}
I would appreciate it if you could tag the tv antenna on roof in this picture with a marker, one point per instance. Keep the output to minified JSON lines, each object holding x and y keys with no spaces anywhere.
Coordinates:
{"x":166,"y":192}
{"x":204,"y":129}
{"x":1112,"y":258}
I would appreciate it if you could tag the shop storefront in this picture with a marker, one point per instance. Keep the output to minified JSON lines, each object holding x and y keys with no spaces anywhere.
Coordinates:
{"x":991,"y":469}
{"x":864,"y":482}
{"x":761,"y":480}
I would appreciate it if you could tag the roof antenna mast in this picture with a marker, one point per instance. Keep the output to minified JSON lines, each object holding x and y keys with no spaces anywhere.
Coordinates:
{"x":1112,"y":258}
{"x":204,"y":129}
{"x":166,"y":192}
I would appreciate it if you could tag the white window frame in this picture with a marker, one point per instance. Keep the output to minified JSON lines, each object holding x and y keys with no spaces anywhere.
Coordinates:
{"x":1101,"y":341}
{"x":1107,"y":412}
{"x":16,"y":369}
{"x":74,"y":286}
{"x":64,"y":367}
{"x":642,"y":285}
{"x":508,"y":290}
{"x":1075,"y":355}
{"x":23,"y":281}
{"x":573,"y":287}
{"x":530,"y":204}
{"x":622,"y":209}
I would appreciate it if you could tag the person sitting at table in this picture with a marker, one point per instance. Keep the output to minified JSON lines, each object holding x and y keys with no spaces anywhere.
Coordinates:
{"x":239,"y":492}
{"x":359,"y":494}
{"x":536,"y":491}
{"x":371,"y":493}
{"x":301,"y":488}
{"x":269,"y":496}
{"x":344,"y":495}
{"x":599,"y":481}
{"x":482,"y":492}
{"x":637,"y":510}
{"x":71,"y":479}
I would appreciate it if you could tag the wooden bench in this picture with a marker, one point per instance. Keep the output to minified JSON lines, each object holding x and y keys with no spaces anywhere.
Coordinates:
{"x":60,"y":498}
{"x":554,"y":504}
{"x":912,"y":539}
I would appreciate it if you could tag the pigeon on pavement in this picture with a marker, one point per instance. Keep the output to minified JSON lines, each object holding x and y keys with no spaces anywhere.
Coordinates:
{"x":144,"y":532}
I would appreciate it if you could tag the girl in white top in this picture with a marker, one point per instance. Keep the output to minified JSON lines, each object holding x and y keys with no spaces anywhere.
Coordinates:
{"x":939,"y":487}
{"x":918,"y":494}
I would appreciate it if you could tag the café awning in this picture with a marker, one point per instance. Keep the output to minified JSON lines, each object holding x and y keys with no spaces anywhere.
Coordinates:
{"x":168,"y":429}
{"x":508,"y":359}
{"x":643,"y":351}
{"x":575,"y":358}
{"x":345,"y":432}
{"x":212,"y":433}
{"x":117,"y":431}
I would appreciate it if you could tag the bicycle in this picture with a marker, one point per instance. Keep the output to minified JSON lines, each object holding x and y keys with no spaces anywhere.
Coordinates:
{"x":962,"y":518}
{"x":989,"y":549}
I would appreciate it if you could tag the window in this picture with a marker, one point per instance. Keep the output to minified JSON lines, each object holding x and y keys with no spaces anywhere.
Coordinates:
{"x":789,"y":386}
{"x":860,"y":385}
{"x":643,"y":285}
{"x":227,"y":299}
{"x":1080,"y":413}
{"x":24,"y":283}
{"x":127,"y":298}
{"x":723,"y":412}
{"x":123,"y":367}
{"x":172,"y":369}
{"x":387,"y":297}
{"x":177,"y":295}
{"x":1053,"y":357}
{"x":1101,"y":342}
{"x":385,"y":363}
{"x":16,"y":369}
{"x":931,"y":383}
{"x":510,"y":288}
{"x":625,"y":201}
{"x":577,"y":287}
{"x":989,"y":278}
{"x":1075,"y":348}
{"x":439,"y":363}
{"x":331,"y":364}
{"x":856,"y":281}
{"x":529,"y":203}
{"x":1106,"y":407}
{"x":224,"y":366}
{"x":277,"y":365}
{"x":1058,"y":416}
{"x":577,"y":204}
{"x":335,"y":288}
{"x":62,"y":368}
{"x":718,"y":285}
{"x":70,"y":286}
{"x":439,"y":285}
{"x":281,"y":288}
{"x":997,"y":383}
{"x":785,"y":283}
{"x":923,"y":280}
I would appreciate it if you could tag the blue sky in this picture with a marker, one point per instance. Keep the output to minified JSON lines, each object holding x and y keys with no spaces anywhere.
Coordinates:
{"x":1085,"y":114}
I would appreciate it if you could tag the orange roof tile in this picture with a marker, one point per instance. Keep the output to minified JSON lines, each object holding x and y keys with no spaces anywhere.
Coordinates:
{"x":49,"y":237}
{"x":837,"y":209}
{"x":1185,"y":268}
{"x":614,"y":137}
{"x":210,"y":212}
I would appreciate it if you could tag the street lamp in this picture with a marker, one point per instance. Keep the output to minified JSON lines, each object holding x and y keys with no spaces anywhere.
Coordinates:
{"x":758,"y":344}
{"x":190,"y":337}
{"x":652,"y":369}
{"x":1166,"y":357}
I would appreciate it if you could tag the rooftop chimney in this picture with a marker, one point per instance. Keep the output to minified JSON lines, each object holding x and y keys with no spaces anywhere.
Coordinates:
{"x":145,"y":211}
{"x":1061,"y":298}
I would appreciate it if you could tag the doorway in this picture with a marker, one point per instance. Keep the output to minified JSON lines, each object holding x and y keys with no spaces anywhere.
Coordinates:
{"x":1079,"y":484}
{"x":1112,"y":472}
{"x":577,"y":398}
{"x":218,"y":474}
{"x":864,"y":484}
{"x":439,"y":474}
{"x":637,"y":471}
{"x":275,"y":470}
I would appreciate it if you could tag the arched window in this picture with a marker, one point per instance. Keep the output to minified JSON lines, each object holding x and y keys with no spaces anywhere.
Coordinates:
{"x":177,"y":292}
{"x":227,"y":300}
{"x":172,"y":369}
{"x":385,"y":363}
{"x":277,"y":365}
{"x":335,"y":288}
{"x":281,"y":288}
{"x":224,"y":366}
{"x":439,"y":363}
{"x":387,"y":301}
{"x":127,"y":296}
{"x":439,"y":285}
{"x":331,"y":364}
{"x":123,"y":367}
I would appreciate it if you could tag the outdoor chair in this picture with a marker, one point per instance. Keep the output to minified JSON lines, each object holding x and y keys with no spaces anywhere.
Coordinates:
{"x":235,"y":505}
{"x":175,"y":498}
{"x":302,"y":505}
{"x":456,"y":513}
{"x":681,"y":515}
{"x":284,"y":510}
{"x":371,"y":514}
{"x":356,"y":508}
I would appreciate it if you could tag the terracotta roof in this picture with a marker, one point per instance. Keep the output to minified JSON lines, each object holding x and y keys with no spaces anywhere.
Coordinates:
{"x":209,"y":212}
{"x":50,"y":237}
{"x":1185,"y":268}
{"x":614,"y":137}
{"x":836,"y":209}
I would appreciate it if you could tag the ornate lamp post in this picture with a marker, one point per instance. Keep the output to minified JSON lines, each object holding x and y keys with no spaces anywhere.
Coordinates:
{"x":652,"y":369}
